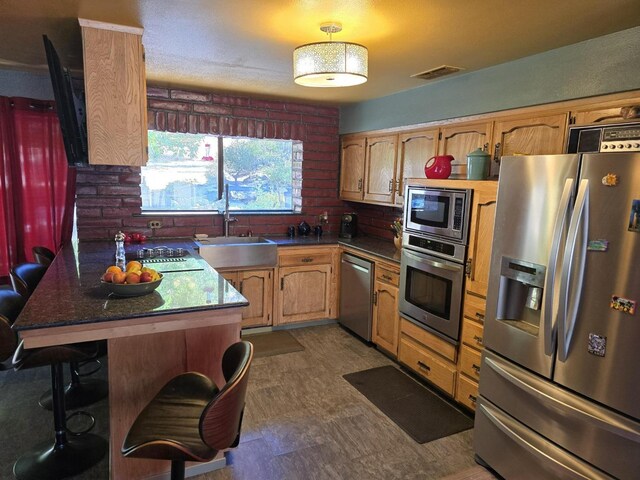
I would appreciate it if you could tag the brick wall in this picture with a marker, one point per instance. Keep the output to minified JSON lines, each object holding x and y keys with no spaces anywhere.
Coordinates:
{"x":375,"y":220}
{"x":108,"y":197}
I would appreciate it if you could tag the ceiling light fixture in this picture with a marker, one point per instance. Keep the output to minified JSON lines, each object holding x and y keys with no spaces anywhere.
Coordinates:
{"x":330,"y":64}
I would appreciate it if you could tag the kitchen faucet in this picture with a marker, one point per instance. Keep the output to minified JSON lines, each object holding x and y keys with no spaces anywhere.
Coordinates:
{"x":227,"y":218}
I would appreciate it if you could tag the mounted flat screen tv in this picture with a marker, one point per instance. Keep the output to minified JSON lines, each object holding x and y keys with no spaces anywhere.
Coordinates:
{"x":70,"y":107}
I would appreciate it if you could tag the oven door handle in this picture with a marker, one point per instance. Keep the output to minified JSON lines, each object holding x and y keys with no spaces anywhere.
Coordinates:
{"x":433,"y":263}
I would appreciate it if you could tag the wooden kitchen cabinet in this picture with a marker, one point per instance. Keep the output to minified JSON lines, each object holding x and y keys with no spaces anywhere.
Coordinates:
{"x":386,"y":320}
{"x":612,"y":112}
{"x":469,"y":364}
{"x":115,"y":93}
{"x":414,"y":149}
{"x":257,"y":287}
{"x":528,"y":136}
{"x":306,"y":286}
{"x":431,"y":357}
{"x":352,"y":153}
{"x":483,"y":212}
{"x":380,"y":167}
{"x":460,"y":140}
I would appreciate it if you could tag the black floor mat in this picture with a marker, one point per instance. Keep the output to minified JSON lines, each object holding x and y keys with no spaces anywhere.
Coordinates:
{"x":414,"y":408}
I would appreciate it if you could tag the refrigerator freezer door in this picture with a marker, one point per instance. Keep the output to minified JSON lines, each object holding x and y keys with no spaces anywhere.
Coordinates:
{"x":533,"y":207}
{"x":514,"y":451}
{"x":587,"y":430}
{"x":602,"y":345}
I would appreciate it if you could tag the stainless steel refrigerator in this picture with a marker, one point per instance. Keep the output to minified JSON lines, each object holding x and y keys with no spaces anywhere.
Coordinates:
{"x":560,"y":373}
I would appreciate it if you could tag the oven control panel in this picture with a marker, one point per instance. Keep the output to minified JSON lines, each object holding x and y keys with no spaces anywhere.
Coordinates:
{"x":429,"y":245}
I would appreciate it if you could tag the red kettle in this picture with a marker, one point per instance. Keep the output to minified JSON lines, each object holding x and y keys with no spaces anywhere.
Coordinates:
{"x":438,"y":166}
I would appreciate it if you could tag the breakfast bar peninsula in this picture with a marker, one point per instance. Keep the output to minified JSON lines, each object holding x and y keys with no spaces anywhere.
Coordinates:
{"x":186,"y":324}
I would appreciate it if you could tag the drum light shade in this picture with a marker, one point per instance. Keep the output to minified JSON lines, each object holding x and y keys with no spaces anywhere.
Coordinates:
{"x":330,"y":64}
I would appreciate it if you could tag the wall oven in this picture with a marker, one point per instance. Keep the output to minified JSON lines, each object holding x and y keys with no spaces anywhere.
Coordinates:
{"x":432,"y":261}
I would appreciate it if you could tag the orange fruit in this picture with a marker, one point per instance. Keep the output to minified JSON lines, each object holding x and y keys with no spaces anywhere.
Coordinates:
{"x":133,"y":265}
{"x":114,"y":269}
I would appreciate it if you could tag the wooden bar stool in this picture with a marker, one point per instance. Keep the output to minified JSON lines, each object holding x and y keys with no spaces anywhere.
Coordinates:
{"x":190,"y":419}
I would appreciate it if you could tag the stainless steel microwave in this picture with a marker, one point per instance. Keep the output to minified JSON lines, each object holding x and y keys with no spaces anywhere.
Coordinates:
{"x":442,"y":212}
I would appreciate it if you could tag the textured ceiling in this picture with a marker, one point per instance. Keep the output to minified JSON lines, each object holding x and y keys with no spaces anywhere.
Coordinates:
{"x":246,"y":46}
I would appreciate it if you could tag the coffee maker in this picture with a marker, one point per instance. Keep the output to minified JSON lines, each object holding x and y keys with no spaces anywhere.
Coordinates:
{"x":349,"y":225}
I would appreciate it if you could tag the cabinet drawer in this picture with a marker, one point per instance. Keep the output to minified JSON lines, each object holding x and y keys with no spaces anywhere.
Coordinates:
{"x":387,"y":275}
{"x":304,"y":259}
{"x":470,"y":362}
{"x":467,"y":392}
{"x":442,"y":347}
{"x":475,"y":307}
{"x":472,"y":333}
{"x":427,"y":365}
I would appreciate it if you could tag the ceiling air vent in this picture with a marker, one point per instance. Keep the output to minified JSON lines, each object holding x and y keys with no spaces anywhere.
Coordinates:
{"x":437,"y":72}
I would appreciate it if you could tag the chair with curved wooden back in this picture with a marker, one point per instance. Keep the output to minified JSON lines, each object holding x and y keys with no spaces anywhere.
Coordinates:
{"x":26,"y":276}
{"x":11,"y":304}
{"x":43,"y":255}
{"x":190,"y":419}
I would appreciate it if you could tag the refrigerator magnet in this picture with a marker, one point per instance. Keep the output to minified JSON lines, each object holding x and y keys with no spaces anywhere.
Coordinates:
{"x":623,"y":304}
{"x":600,"y":245}
{"x":597,"y":345}
{"x":634,"y":217}
{"x":610,"y":180}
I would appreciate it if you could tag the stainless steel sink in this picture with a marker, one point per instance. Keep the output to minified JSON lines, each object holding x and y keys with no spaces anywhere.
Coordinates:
{"x":238,"y":252}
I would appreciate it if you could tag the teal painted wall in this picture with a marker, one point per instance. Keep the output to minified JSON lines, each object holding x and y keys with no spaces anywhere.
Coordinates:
{"x":14,"y":83}
{"x":599,"y":66}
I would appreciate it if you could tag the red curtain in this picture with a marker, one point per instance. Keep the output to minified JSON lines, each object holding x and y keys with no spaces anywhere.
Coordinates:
{"x":37,"y":189}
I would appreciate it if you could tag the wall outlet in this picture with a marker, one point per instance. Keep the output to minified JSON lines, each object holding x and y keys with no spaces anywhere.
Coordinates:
{"x":154,"y":224}
{"x":323,"y":217}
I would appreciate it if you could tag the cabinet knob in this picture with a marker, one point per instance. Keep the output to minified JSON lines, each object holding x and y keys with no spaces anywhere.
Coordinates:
{"x":390,"y":186}
{"x":386,"y":277}
{"x":476,"y":368}
{"x":375,"y":298}
{"x":480,"y":316}
{"x":473,"y":399}
{"x":359,"y":184}
{"x":478,"y":339}
{"x":307,"y":259}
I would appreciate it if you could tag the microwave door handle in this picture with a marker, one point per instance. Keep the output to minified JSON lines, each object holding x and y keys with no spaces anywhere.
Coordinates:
{"x":433,"y":263}
{"x":549,"y":323}
{"x":568,"y":308}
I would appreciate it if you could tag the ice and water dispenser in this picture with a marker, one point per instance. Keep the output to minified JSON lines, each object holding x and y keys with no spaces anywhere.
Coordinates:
{"x":520,"y":294}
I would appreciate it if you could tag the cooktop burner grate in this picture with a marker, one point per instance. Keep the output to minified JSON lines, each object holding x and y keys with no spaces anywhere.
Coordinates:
{"x":163,"y":260}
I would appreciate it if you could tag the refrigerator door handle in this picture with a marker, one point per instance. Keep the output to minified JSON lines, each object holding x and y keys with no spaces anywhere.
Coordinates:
{"x":568,"y":307}
{"x":548,"y":321}
{"x":610,"y":423}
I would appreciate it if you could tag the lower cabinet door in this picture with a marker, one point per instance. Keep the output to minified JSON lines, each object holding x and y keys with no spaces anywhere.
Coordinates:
{"x":386,"y":320}
{"x":304,"y":293}
{"x":257,"y":287}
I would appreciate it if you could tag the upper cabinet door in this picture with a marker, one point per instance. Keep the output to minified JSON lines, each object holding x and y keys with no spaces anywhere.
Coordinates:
{"x":460,"y":140}
{"x":380,"y":167}
{"x":414,"y":149}
{"x":115,"y":91}
{"x":352,"y":168}
{"x":629,"y":112}
{"x":529,"y":136}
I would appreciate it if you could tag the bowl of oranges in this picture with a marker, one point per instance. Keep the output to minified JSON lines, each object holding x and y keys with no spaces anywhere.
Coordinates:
{"x":134,"y":281}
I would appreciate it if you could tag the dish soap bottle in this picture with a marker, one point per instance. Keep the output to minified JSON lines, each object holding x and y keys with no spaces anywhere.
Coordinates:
{"x":120,"y":257}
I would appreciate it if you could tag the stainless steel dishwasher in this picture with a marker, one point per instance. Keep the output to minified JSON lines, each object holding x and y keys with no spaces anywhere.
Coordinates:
{"x":356,"y":288}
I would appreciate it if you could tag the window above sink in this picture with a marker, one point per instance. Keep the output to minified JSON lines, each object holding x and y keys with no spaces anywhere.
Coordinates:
{"x":185,"y":173}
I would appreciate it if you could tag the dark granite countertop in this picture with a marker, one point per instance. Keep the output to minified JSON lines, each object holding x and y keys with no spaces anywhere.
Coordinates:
{"x":71,"y":292}
{"x":372,"y":245}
